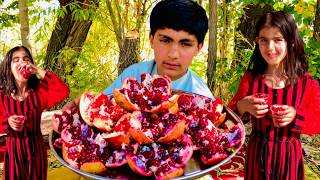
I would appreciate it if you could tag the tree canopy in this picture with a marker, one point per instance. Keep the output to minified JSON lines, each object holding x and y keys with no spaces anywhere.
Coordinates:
{"x":88,"y":42}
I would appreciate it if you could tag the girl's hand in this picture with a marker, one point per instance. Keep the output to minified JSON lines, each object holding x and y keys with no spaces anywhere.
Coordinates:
{"x":34,"y":69}
{"x":16,"y":122}
{"x":283,"y":117}
{"x":255,"y":106}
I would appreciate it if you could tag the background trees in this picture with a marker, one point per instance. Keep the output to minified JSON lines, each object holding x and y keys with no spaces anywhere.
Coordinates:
{"x":88,"y":42}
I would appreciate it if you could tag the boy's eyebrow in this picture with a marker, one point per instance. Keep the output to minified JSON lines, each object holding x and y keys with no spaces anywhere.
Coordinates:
{"x":164,"y":36}
{"x":181,"y":40}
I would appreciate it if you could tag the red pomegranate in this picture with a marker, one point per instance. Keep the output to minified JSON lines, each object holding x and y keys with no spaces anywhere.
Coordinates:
{"x":150,"y":127}
{"x":204,"y":107}
{"x":153,"y":94}
{"x":161,"y":160}
{"x":76,"y":157}
{"x":212,"y":154}
{"x":102,"y":111}
{"x":85,"y":100}
{"x":62,"y":119}
{"x":157,"y":138}
{"x":26,"y":73}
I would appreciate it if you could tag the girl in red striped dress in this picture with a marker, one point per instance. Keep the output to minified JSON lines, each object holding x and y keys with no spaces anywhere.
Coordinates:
{"x":278,"y":67}
{"x":23,"y":98}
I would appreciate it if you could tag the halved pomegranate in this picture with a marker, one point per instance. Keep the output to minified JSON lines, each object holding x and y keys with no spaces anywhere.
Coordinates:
{"x":183,"y":150}
{"x":141,"y":131}
{"x":234,"y":136}
{"x":200,"y":106}
{"x":161,"y":160}
{"x":153,"y":94}
{"x":171,"y":126}
{"x":71,"y":154}
{"x":150,"y":127}
{"x":113,"y":157}
{"x":128,"y":96}
{"x":120,"y":134}
{"x":85,"y":156}
{"x":212,"y":154}
{"x":100,"y":111}
{"x":85,"y":100}
{"x":62,"y":119}
{"x":104,"y":112}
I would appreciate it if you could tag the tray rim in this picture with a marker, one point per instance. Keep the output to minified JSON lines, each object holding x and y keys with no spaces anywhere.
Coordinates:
{"x":191,"y":175}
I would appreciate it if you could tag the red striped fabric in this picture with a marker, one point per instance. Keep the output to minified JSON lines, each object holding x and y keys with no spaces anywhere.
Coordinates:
{"x":26,"y":152}
{"x":276,"y":153}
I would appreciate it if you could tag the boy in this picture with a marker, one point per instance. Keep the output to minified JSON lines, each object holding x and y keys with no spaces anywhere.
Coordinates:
{"x":178,"y":28}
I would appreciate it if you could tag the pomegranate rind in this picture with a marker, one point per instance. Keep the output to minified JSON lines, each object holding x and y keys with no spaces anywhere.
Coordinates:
{"x":71,"y":162}
{"x":120,"y":162}
{"x":174,"y":133}
{"x":117,"y":138}
{"x":101,"y":125}
{"x":166,"y":105}
{"x":220,"y":120}
{"x":132,"y":162}
{"x":96,"y":167}
{"x":55,"y":123}
{"x":186,"y":152}
{"x":123,"y":101}
{"x":174,"y":172}
{"x":216,"y":158}
{"x":139,"y":136}
{"x":85,"y":100}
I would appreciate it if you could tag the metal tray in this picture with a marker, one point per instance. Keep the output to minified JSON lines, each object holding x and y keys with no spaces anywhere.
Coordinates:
{"x":193,"y":169}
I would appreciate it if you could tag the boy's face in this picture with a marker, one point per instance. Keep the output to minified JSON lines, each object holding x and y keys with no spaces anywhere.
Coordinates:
{"x":173,"y":51}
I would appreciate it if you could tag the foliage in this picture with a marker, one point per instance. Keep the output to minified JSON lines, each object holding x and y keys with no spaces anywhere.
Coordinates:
{"x":313,"y":51}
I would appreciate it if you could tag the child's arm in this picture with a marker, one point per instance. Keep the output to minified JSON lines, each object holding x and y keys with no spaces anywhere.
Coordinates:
{"x":52,"y":90}
{"x":241,"y":92}
{"x":310,"y":110}
{"x":3,"y":119}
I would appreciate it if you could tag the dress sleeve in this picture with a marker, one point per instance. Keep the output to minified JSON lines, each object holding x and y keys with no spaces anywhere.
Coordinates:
{"x":240,"y":94}
{"x":52,"y":90}
{"x":3,"y":118}
{"x":309,"y":111}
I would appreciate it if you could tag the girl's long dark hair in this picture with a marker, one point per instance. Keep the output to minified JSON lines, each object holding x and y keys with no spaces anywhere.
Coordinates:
{"x":295,"y":64}
{"x":7,"y":80}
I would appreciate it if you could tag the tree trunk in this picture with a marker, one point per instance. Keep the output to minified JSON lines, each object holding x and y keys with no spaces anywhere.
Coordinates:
{"x":128,"y":52}
{"x":316,"y":24}
{"x":131,"y":42}
{"x":212,"y":49}
{"x":115,"y":23}
{"x":224,"y":41}
{"x":24,"y":23}
{"x":247,"y":27}
{"x":67,"y":34}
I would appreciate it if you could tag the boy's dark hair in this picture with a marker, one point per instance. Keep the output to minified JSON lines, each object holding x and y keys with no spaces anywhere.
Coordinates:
{"x":295,"y":63}
{"x":7,"y":80}
{"x":179,"y":15}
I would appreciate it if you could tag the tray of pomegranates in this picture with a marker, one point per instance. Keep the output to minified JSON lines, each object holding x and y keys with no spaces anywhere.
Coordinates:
{"x":146,"y":131}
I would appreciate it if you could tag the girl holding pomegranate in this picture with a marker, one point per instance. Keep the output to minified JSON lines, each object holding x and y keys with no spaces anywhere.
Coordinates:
{"x":279,"y":69}
{"x":23,"y":98}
